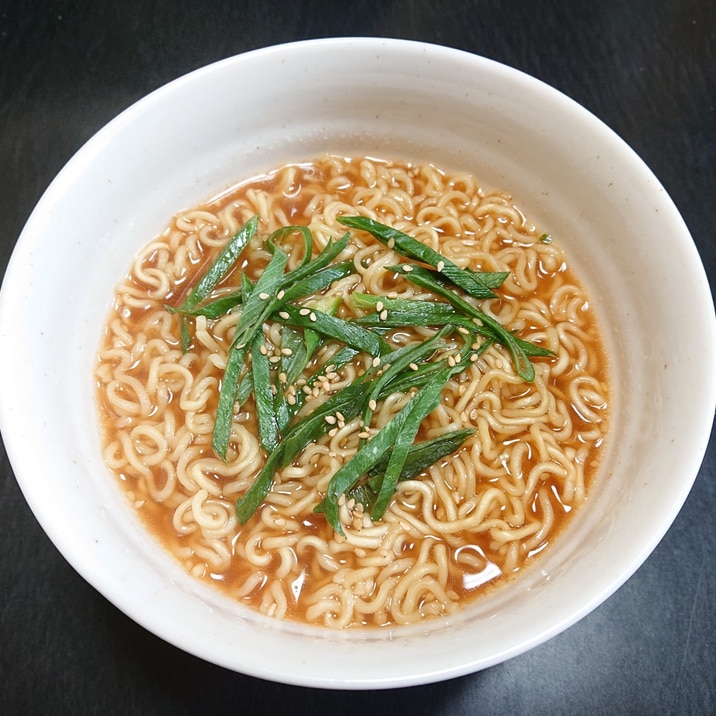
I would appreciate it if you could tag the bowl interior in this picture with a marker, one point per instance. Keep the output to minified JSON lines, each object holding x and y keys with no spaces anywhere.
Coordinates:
{"x":241,"y":117}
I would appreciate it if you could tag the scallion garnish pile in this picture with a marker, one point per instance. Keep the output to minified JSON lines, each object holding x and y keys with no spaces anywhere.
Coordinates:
{"x":278,"y":381}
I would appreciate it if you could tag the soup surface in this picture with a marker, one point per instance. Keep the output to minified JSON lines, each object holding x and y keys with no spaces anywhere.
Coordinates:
{"x":463,"y":524}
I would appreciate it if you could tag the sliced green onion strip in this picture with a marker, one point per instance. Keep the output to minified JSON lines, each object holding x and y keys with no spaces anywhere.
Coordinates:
{"x":263,"y":395}
{"x":468,"y":281}
{"x":321,"y":279}
{"x":344,"y":331}
{"x":425,"y":279}
{"x":424,"y":402}
{"x":255,"y":495}
{"x":373,"y":451}
{"x":332,"y":250}
{"x":255,"y":311}
{"x":420,"y":457}
{"x":227,"y":397}
{"x":223,"y":262}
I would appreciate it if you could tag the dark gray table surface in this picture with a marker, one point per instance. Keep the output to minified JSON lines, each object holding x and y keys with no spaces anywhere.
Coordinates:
{"x":646,"y":68}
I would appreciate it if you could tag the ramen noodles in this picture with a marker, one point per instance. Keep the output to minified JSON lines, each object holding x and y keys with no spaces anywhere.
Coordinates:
{"x":512,"y":447}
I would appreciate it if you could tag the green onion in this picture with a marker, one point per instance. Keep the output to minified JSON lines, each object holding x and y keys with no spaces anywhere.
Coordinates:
{"x":400,"y":361}
{"x":337,"y":361}
{"x":227,"y":396}
{"x":256,"y":494}
{"x":425,"y":402}
{"x":348,"y":401}
{"x":344,"y":331}
{"x":401,"y":312}
{"x":426,"y":279}
{"x":420,"y":457}
{"x":317,"y":281}
{"x":308,"y":321}
{"x":396,"y":435}
{"x":255,"y":311}
{"x":293,"y":363}
{"x":221,"y":265}
{"x":332,"y":250}
{"x":263,"y":395}
{"x":469,"y":281}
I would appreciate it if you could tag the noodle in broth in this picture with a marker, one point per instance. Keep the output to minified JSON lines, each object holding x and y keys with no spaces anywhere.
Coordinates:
{"x":468,"y":522}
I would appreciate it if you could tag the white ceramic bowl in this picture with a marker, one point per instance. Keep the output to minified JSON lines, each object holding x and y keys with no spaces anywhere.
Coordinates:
{"x":242,"y":116}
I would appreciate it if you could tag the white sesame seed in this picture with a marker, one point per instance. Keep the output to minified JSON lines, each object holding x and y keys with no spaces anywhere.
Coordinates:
{"x":340,"y":416}
{"x":440,"y":266}
{"x":379,"y":306}
{"x":451,"y":361}
{"x":364,"y":434}
{"x":458,"y":357}
{"x":312,"y":316}
{"x":393,"y":294}
{"x":332,"y":432}
{"x":413,"y":366}
{"x":391,"y":243}
{"x":332,"y":375}
{"x":282,"y":377}
{"x":304,"y":311}
{"x":474,"y":357}
{"x":307,"y":389}
{"x":291,"y":399}
{"x":376,"y":361}
{"x":330,"y":419}
{"x":263,"y":350}
{"x":330,"y":368}
{"x":286,"y":352}
{"x":463,"y":330}
{"x":280,"y":294}
{"x":383,"y":315}
{"x":372,"y":404}
{"x":264,"y":296}
{"x":284,"y":315}
{"x":407,"y":269}
{"x":275,"y":359}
